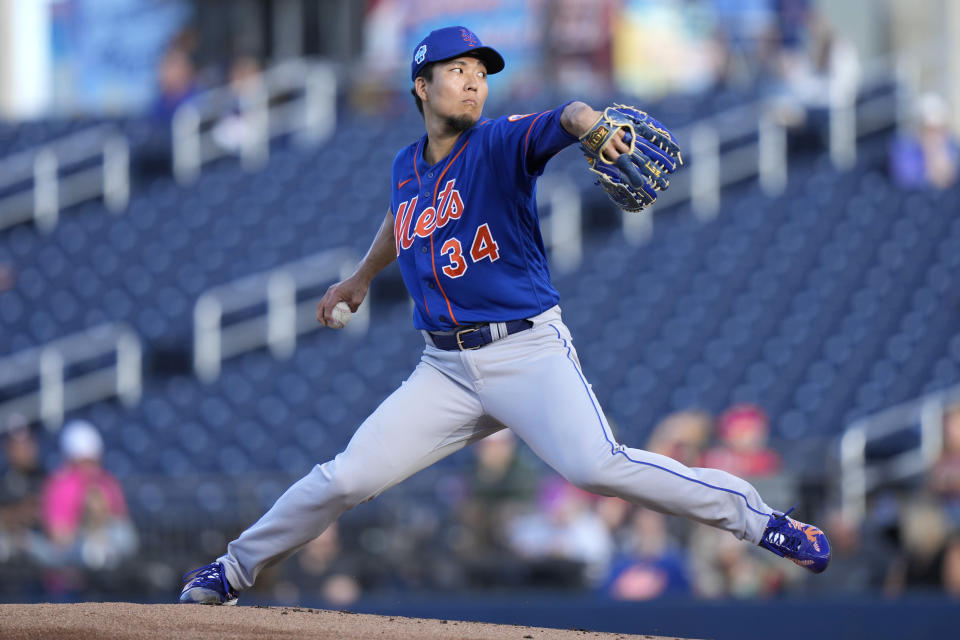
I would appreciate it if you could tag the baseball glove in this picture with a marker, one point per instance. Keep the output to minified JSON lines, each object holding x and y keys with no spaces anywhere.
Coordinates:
{"x":634,"y":180}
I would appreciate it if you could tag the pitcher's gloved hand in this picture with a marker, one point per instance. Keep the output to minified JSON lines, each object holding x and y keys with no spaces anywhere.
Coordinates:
{"x":633,"y":180}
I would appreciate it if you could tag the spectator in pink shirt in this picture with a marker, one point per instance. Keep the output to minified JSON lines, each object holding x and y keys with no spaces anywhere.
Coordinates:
{"x":84,"y":510}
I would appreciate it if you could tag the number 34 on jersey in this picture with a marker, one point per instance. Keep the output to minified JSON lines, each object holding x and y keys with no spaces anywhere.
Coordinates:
{"x":450,"y":207}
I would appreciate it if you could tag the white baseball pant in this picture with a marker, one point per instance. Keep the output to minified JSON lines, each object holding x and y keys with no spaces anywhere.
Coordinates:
{"x":530,"y":382}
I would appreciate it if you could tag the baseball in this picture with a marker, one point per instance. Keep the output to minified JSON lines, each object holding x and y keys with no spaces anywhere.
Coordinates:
{"x":341,"y":316}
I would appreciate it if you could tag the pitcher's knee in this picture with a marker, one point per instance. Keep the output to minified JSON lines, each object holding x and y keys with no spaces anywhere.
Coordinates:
{"x":346,"y":488}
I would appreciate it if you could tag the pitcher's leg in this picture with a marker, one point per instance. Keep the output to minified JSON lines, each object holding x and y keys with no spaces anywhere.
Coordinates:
{"x":426,"y":419}
{"x":553,"y":409}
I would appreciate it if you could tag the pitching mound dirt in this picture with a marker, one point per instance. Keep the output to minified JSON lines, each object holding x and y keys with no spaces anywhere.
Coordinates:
{"x":109,"y":621}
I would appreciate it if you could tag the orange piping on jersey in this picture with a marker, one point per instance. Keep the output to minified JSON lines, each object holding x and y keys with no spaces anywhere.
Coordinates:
{"x":426,"y":305}
{"x":396,"y":234}
{"x":433,"y":260}
{"x":439,"y":286}
{"x":416,"y":154}
{"x":440,"y":179}
{"x":526,"y":138}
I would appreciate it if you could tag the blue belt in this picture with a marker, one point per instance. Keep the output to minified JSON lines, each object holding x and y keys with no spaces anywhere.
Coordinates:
{"x":475,"y":336}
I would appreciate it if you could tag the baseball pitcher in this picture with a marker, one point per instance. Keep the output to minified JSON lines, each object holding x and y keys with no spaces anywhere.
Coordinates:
{"x":463,"y":226}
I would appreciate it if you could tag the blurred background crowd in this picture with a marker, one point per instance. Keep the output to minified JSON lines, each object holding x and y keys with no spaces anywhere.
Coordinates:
{"x":504,"y":521}
{"x":758,"y":337}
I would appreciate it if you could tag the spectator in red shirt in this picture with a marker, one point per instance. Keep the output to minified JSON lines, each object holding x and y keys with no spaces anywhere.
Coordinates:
{"x":743,"y":450}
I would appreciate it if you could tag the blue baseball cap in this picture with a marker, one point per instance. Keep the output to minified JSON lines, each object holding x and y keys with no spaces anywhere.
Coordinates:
{"x":451,"y":42}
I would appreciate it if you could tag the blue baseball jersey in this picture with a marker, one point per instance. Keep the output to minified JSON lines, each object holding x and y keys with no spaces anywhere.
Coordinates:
{"x":466,"y":229}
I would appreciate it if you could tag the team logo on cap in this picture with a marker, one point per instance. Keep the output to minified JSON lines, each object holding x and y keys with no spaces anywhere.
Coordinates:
{"x":469,"y":38}
{"x":421,"y":54}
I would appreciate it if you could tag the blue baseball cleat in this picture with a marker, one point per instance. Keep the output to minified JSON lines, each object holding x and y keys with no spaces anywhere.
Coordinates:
{"x":801,"y":543}
{"x":207,"y":585}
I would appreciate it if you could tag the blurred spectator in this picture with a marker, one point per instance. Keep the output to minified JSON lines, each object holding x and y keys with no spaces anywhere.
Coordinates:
{"x":723,"y":566}
{"x":614,"y":513}
{"x":652,"y":566}
{"x":8,"y":276}
{"x":502,"y":484}
{"x":857,"y":564}
{"x":743,"y":431}
{"x":944,"y":478}
{"x":808,"y":80}
{"x":20,"y":487}
{"x":234,"y":131}
{"x":726,"y":71}
{"x":577,"y":45}
{"x":320,"y":559}
{"x":792,"y":20}
{"x":682,"y":436}
{"x":84,"y":510}
{"x":565,"y":529}
{"x":323,"y":570}
{"x":927,"y":155}
{"x":923,"y":536}
{"x":176,"y":84}
{"x":951,"y":567}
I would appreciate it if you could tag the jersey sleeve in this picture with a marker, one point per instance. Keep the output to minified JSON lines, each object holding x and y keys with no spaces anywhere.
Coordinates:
{"x":527,"y":141}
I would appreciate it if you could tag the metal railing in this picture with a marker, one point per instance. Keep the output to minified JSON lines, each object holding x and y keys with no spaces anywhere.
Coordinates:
{"x":562,"y":228}
{"x":271,"y":314}
{"x":736,"y":144}
{"x":746,"y":142}
{"x":43,"y":383}
{"x":40,"y":182}
{"x":294,"y":97}
{"x":922,"y":417}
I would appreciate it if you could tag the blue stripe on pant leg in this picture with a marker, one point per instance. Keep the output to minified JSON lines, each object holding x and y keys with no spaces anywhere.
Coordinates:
{"x":614,"y":450}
